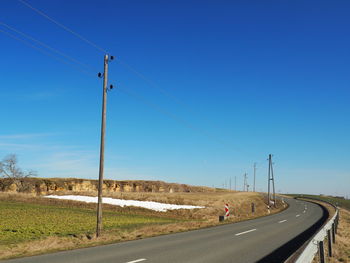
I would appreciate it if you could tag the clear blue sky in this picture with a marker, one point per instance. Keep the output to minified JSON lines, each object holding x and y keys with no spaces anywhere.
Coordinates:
{"x":250,"y":78}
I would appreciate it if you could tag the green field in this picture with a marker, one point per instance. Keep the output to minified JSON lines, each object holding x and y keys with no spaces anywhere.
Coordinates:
{"x":24,"y":221}
{"x":343,"y":203}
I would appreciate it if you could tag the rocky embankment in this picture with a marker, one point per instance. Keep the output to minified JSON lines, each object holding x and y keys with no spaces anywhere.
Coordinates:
{"x":43,"y":186}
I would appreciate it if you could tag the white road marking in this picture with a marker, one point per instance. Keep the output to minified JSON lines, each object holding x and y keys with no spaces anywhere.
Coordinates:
{"x":304,"y":211}
{"x":282,"y":221}
{"x":297,"y":215}
{"x":251,"y":230}
{"x":137,"y":260}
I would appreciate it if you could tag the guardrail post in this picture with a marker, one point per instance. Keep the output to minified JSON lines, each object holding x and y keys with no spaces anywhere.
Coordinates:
{"x":336,"y":223}
{"x":333,"y":233}
{"x":329,"y":243}
{"x":321,"y":251}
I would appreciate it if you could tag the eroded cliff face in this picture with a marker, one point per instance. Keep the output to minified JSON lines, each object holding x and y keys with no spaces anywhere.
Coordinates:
{"x":45,"y":186}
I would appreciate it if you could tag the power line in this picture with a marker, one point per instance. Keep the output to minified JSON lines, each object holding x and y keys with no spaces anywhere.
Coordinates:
{"x":63,"y":26}
{"x":126,"y":65}
{"x":151,"y":83}
{"x":47,"y":46}
{"x":128,"y":92}
{"x":132,"y":94}
{"x":175,"y":99}
{"x":170,"y":115}
{"x":43,"y":52}
{"x":130,"y":68}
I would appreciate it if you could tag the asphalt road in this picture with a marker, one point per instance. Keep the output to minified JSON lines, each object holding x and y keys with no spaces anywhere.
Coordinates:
{"x":248,"y":241}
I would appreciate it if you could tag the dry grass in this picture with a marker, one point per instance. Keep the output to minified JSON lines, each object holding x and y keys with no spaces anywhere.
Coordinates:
{"x":341,"y":249}
{"x":239,"y":202}
{"x":240,"y":207}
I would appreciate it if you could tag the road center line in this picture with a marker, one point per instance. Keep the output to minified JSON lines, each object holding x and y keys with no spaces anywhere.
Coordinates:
{"x":245,"y":232}
{"x":137,"y":260}
{"x":297,"y":215}
{"x":282,"y":221}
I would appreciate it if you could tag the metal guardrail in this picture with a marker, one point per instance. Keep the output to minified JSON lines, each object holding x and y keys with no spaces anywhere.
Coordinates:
{"x":316,"y":244}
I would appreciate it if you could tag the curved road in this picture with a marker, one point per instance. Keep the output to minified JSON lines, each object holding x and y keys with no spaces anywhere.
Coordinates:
{"x":248,"y":241}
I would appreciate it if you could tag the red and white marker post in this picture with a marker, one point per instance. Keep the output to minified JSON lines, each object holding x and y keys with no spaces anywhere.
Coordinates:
{"x":227,"y":212}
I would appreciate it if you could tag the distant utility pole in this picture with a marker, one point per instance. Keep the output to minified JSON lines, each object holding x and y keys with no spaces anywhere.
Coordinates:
{"x":243,"y":182}
{"x":254,"y":177}
{"x":245,"y":188}
{"x":235,"y":183}
{"x":102,"y":145}
{"x":230,"y":184}
{"x":271,"y":178}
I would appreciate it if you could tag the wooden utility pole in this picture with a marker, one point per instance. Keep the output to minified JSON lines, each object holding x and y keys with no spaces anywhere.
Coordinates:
{"x":254,"y":177}
{"x":102,"y":148}
{"x":235,"y":183}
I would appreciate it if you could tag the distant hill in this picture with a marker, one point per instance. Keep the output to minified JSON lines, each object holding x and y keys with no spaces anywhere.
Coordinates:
{"x":54,"y":185}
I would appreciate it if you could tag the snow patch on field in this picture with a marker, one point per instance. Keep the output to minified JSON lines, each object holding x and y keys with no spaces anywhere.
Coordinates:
{"x":161,"y":207}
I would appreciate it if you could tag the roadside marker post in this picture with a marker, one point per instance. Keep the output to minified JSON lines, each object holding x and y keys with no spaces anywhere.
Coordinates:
{"x":284,"y":203}
{"x":227,"y":211}
{"x":227,"y":214}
